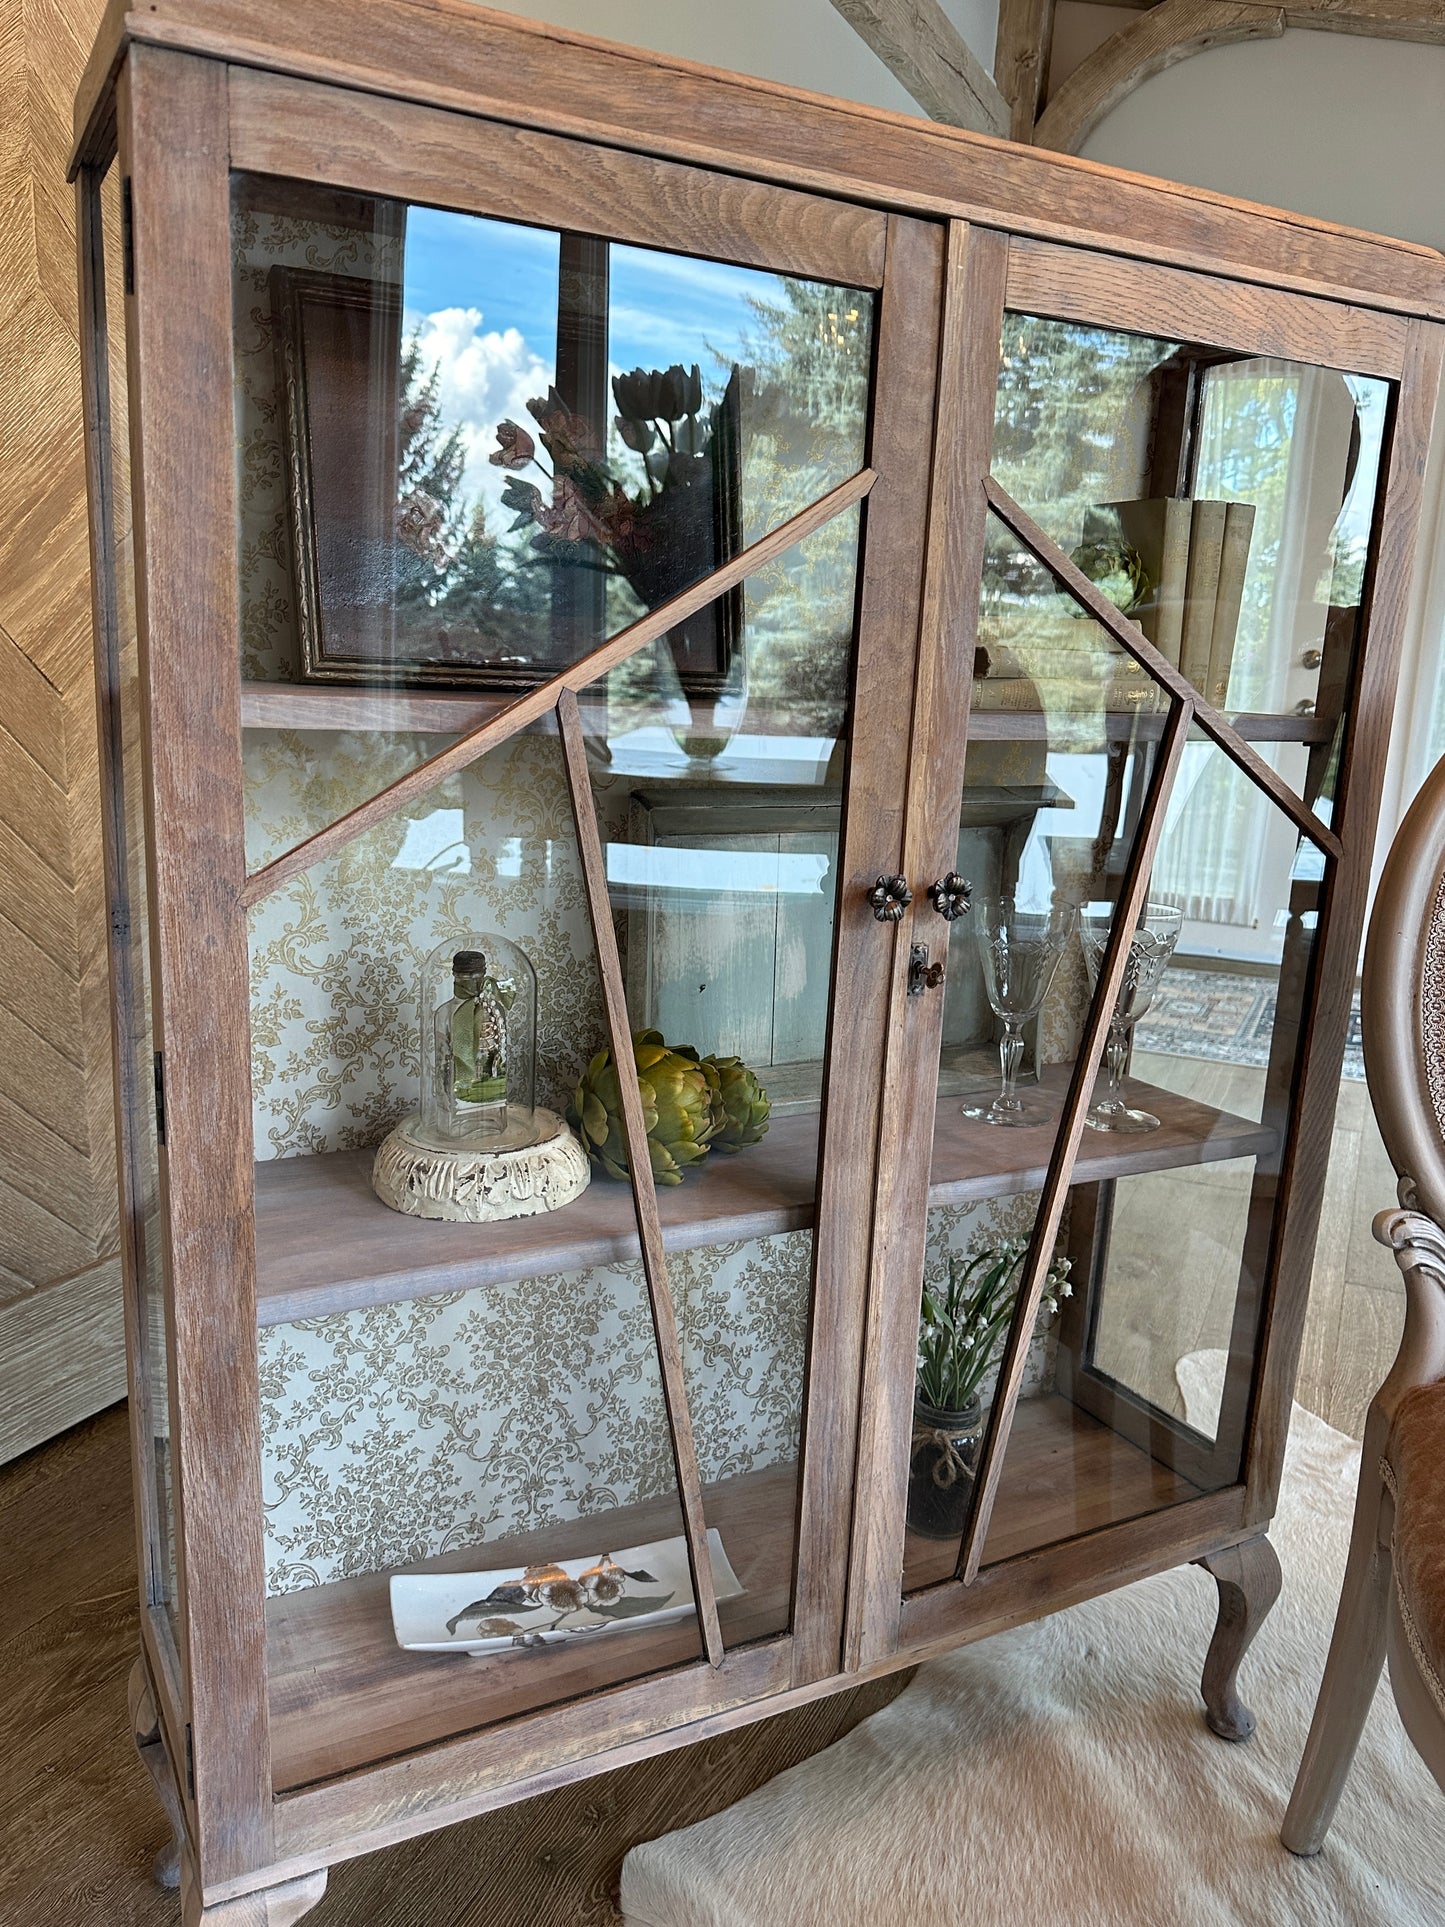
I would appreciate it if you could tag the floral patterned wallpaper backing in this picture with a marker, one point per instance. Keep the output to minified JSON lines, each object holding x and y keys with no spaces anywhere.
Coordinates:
{"x":410,"y":1429}
{"x":406,"y":1430}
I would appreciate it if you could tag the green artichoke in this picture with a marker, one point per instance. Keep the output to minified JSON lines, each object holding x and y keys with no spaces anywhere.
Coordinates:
{"x":1115,"y":569}
{"x":682,"y":1109}
{"x":745,"y":1105}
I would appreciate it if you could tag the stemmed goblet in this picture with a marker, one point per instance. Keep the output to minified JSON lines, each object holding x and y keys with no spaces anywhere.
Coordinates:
{"x":1150,"y":949}
{"x":1020,"y":951}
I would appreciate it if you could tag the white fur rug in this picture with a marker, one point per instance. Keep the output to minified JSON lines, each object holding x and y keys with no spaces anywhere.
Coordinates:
{"x":1062,"y":1775}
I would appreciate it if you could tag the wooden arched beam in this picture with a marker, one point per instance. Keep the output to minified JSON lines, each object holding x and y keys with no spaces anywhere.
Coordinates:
{"x":1160,"y":38}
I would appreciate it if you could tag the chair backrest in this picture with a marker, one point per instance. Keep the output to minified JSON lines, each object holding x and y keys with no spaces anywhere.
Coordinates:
{"x":1402,"y":1004}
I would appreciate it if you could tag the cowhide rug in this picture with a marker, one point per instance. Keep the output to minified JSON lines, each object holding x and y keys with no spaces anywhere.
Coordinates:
{"x":1062,"y":1775}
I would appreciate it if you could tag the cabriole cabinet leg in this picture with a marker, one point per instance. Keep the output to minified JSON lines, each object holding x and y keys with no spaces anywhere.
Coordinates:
{"x":150,"y":1745}
{"x":1249,"y":1579}
{"x":270,"y":1907}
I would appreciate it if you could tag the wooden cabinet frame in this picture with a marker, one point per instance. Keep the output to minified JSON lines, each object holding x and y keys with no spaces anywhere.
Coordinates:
{"x":439,"y":103}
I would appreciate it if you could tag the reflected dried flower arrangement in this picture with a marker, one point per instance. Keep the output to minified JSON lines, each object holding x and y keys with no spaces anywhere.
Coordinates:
{"x":659,"y":533}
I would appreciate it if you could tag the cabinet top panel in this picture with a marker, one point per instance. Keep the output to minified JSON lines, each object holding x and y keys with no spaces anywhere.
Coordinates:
{"x":452,"y":55}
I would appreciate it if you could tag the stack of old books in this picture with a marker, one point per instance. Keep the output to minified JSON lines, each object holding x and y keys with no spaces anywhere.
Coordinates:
{"x":1193,"y":556}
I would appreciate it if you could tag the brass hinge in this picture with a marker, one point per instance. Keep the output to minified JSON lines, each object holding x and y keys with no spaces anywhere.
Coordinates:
{"x":127,"y":238}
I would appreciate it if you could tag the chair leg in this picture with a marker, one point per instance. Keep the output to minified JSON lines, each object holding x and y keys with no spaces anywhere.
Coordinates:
{"x":1352,"y":1671}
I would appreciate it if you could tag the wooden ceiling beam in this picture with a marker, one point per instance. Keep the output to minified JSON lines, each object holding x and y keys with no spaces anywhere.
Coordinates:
{"x":1377,"y":19}
{"x":1421,"y":20}
{"x":1151,"y":42}
{"x":931,"y":60}
{"x":1021,"y":60}
{"x":1160,"y":34}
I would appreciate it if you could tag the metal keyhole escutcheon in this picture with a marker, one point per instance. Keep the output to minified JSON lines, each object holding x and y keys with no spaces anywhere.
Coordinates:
{"x":922,"y":975}
{"x":951,"y":896}
{"x":890,"y":897}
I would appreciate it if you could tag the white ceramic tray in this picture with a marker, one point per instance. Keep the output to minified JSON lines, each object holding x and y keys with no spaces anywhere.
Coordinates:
{"x":488,"y":1612}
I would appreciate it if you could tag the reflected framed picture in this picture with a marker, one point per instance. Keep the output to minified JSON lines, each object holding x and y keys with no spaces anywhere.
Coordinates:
{"x":400,"y":578}
{"x":339,"y":348}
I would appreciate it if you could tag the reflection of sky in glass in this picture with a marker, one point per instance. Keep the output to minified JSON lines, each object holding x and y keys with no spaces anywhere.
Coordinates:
{"x":508,"y":274}
{"x":667,"y":308}
{"x":483,"y":295}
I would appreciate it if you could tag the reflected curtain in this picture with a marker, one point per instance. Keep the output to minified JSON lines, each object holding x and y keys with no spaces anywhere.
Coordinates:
{"x":1277,"y":434}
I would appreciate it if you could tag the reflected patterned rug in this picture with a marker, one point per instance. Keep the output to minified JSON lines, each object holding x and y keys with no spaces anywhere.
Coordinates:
{"x":1062,"y":1775}
{"x":1227,"y":1016}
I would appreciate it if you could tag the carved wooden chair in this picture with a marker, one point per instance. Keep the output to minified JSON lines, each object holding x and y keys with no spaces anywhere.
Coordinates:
{"x":1393,"y":1602}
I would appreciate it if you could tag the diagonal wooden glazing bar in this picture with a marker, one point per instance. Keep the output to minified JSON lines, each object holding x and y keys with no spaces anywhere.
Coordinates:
{"x":1132,"y":897}
{"x":1131,"y":637}
{"x":539,"y":702}
{"x":639,"y":1163}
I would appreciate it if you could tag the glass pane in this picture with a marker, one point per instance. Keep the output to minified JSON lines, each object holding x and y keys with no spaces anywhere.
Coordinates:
{"x":468,"y":1398}
{"x":722,"y":862}
{"x":1048,"y":816}
{"x":1224,"y":501}
{"x":469,"y":451}
{"x":1143,"y":1379}
{"x":131,"y":935}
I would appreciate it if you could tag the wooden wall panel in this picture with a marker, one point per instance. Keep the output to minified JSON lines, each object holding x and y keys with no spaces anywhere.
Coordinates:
{"x":61,"y":1348}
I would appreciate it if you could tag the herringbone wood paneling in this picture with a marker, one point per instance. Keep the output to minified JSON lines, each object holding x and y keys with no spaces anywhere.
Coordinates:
{"x":61,"y":1354}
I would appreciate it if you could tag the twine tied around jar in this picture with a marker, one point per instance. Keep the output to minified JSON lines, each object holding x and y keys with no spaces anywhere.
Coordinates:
{"x":950,"y":1465}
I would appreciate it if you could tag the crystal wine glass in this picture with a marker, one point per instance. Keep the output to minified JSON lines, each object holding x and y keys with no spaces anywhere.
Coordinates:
{"x":1020,"y":951}
{"x":1149,"y":952}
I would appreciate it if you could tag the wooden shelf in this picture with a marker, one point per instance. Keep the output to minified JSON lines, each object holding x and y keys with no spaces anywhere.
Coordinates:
{"x":343,"y":1694}
{"x":1033,"y":725}
{"x":1065,"y":1474}
{"x":295,"y":705}
{"x":446,"y":712}
{"x":325,"y":1243}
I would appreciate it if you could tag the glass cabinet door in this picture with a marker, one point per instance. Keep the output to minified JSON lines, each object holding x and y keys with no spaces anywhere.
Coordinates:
{"x":126,"y":829}
{"x":1176,"y":557}
{"x":511,"y":1457}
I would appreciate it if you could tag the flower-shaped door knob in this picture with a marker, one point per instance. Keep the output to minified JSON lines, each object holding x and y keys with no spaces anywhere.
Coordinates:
{"x":950,"y":896}
{"x":890,"y":897}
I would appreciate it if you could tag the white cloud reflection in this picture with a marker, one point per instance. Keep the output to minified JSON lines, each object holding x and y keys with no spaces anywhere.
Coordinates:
{"x":484,"y":376}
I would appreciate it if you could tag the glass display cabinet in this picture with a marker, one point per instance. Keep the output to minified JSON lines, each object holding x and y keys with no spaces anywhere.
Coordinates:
{"x":742,"y":740}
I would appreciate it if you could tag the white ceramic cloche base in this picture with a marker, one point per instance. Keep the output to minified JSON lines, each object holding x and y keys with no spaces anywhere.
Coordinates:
{"x":480,"y":1187}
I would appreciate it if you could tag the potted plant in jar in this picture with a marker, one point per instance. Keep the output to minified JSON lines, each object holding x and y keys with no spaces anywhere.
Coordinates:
{"x":963,"y":1320}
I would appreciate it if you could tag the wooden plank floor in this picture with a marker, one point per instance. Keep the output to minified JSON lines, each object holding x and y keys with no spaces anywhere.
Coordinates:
{"x":78,"y":1821}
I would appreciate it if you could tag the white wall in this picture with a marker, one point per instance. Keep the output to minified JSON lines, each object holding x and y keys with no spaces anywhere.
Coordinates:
{"x":1349,"y":129}
{"x":803,"y":43}
{"x":1326,"y":123}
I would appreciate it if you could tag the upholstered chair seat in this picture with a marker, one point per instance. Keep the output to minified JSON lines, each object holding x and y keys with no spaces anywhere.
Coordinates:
{"x":1414,"y":1469}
